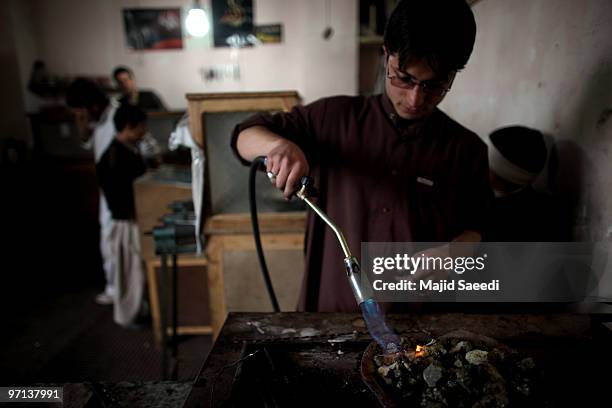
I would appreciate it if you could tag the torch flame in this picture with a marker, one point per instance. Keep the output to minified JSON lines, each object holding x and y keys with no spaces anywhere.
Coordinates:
{"x":420,"y":350}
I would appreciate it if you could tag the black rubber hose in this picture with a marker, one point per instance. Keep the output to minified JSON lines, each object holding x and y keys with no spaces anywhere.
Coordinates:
{"x":259,"y":164}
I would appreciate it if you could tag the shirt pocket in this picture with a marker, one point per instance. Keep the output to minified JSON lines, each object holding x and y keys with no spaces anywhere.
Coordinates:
{"x":429,"y":210}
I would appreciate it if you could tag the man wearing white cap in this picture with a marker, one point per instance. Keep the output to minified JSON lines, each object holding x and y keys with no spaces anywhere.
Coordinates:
{"x":517,"y":155}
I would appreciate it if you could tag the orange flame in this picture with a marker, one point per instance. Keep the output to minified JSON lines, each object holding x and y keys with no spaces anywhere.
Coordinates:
{"x":419,"y":351}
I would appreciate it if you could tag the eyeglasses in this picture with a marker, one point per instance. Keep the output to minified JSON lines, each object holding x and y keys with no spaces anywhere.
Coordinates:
{"x":435,"y":89}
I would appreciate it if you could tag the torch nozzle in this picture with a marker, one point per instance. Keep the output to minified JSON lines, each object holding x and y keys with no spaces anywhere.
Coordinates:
{"x":372,"y":313}
{"x":356,"y":280}
{"x":374,"y":318}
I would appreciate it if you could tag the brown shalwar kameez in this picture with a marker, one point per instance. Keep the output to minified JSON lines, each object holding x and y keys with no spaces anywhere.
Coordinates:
{"x":381,"y":179}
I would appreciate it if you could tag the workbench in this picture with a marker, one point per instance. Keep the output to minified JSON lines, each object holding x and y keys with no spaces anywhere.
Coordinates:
{"x":317,"y":356}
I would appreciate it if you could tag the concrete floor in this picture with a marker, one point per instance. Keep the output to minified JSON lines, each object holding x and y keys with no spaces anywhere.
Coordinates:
{"x":71,"y":339}
{"x":52,"y":330}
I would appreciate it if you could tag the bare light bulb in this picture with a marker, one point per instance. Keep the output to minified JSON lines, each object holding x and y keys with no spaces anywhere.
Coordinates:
{"x":197,"y":22}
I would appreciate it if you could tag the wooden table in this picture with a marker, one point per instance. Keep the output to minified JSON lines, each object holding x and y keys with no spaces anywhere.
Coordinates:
{"x":571,"y":348}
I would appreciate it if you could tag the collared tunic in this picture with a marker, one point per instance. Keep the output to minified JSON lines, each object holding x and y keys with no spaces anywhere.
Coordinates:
{"x":380,"y":178}
{"x":148,"y":101}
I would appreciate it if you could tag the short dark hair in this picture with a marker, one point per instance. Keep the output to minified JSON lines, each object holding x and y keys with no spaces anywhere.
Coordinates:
{"x":128,"y":115}
{"x":440,"y":31}
{"x":121,"y":69}
{"x":84,"y":93}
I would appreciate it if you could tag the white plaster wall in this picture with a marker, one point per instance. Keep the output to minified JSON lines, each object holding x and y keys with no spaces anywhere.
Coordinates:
{"x":547,"y":64}
{"x":86,"y":37}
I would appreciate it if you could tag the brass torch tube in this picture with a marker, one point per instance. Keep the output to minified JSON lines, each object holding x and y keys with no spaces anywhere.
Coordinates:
{"x":302,"y":195}
{"x":357,"y":281}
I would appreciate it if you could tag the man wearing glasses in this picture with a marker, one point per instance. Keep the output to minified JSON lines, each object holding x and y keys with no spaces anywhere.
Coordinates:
{"x":390,"y":167}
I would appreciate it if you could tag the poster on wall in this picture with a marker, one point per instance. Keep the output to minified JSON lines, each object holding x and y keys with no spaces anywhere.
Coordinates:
{"x":269,"y":34}
{"x":232,"y":23}
{"x":153,"y":29}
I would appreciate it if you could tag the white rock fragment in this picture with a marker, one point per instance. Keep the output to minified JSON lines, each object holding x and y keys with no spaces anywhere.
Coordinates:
{"x":476,"y":357}
{"x":384,"y":370}
{"x":432,"y":374}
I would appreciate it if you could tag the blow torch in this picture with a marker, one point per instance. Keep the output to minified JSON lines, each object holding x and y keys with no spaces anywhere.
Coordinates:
{"x":360,"y":285}
{"x":362,"y":290}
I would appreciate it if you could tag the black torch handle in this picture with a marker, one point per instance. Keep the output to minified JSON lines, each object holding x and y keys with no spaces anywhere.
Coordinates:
{"x":259,"y":164}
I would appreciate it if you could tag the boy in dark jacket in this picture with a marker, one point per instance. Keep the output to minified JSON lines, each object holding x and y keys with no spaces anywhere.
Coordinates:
{"x":117,"y":169}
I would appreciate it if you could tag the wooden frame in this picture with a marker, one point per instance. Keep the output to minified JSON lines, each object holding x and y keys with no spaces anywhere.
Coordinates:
{"x":200,"y":104}
{"x":283,"y":231}
{"x":233,"y":231}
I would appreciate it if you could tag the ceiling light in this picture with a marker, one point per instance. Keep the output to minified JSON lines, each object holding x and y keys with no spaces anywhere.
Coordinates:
{"x":197,"y":21}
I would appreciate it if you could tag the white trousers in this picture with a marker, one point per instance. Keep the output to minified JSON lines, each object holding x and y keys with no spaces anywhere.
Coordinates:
{"x":106,"y":223}
{"x":129,"y":279}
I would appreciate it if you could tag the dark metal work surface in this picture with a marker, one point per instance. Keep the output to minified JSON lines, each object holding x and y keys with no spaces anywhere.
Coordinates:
{"x":306,"y":359}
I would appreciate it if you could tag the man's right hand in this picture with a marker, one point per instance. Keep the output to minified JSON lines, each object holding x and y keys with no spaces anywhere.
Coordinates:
{"x":285,"y":159}
{"x":288,"y":162}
